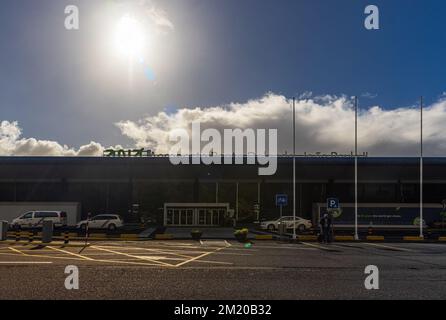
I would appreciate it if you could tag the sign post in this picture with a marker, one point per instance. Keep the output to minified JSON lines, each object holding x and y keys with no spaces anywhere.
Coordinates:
{"x":86,"y":228}
{"x":257,"y":211}
{"x":281,"y":201}
{"x":332,"y":205}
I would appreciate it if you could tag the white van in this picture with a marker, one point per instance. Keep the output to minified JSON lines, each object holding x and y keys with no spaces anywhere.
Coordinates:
{"x":34,"y":219}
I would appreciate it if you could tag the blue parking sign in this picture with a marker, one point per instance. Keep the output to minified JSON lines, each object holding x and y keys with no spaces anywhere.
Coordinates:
{"x":333,"y":203}
{"x":281,"y":200}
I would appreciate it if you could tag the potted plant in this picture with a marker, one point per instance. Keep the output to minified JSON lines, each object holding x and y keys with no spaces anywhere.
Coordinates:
{"x":241,"y":235}
{"x":196,"y":234}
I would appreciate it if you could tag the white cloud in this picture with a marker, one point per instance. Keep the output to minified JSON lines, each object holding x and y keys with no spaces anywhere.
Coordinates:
{"x":148,"y":9}
{"x":160,"y":18}
{"x":11,"y":144}
{"x":323,"y":124}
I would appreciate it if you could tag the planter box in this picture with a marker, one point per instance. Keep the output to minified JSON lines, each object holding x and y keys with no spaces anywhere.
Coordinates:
{"x":196,"y":235}
{"x":241,"y":237}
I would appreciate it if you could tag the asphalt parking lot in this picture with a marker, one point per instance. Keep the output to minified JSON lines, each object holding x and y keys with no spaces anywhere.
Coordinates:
{"x":223,"y":270}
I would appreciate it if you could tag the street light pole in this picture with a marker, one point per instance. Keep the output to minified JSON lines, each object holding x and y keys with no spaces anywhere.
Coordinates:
{"x":294,"y":169}
{"x":356,"y":169}
{"x":421,"y":168}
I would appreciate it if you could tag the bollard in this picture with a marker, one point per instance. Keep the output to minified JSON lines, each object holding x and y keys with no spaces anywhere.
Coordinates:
{"x":370,"y":230}
{"x":66,"y":238}
{"x":3,"y":230}
{"x":17,"y":236}
{"x":47,"y":231}
{"x":31,"y":236}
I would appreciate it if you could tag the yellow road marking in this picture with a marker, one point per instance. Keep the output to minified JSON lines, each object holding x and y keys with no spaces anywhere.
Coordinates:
{"x":71,"y":253}
{"x":164,"y":251}
{"x":41,"y":256}
{"x":199,"y":257}
{"x":77,"y":259}
{"x":132,"y":256}
{"x":18,"y":251}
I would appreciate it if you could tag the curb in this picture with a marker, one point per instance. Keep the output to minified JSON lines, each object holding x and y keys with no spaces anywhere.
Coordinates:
{"x":375,"y":238}
{"x":51,"y":244}
{"x":164,"y":236}
{"x":412,"y":239}
{"x":264,"y":237}
{"x":307,"y":238}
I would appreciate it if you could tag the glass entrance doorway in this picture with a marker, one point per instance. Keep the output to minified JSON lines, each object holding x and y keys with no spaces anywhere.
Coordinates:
{"x":187,"y":215}
{"x":180,"y":217}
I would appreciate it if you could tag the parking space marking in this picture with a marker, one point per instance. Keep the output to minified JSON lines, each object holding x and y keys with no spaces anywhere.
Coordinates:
{"x":164,"y":251}
{"x":154,"y":255}
{"x":38,"y":255}
{"x":199,"y":257}
{"x":132,"y":256}
{"x":17,"y":251}
{"x":71,"y":253}
{"x":130,"y":262}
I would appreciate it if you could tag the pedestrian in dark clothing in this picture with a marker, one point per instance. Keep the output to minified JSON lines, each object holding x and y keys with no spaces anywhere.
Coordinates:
{"x":325,"y":225}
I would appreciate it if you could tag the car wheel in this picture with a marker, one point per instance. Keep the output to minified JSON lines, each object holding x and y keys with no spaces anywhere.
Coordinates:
{"x":83,"y":227}
{"x":271,"y":228}
{"x":112,"y":227}
{"x":301,"y":228}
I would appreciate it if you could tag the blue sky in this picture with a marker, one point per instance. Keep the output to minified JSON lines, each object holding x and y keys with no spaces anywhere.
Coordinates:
{"x":65,"y":86}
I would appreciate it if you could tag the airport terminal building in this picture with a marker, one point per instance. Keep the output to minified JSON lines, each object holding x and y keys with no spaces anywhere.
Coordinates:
{"x":151,"y":184}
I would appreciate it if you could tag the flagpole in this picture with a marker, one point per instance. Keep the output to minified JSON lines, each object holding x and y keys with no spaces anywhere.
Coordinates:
{"x":421,"y":168}
{"x":356,"y":169}
{"x":294,"y":169}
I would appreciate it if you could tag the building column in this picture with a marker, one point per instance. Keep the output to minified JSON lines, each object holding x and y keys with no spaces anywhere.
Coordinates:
{"x":216,"y":192}
{"x":196,"y":191}
{"x":236,"y":201}
{"x":258,"y":192}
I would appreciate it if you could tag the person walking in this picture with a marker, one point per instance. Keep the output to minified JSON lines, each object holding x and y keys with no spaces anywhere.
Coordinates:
{"x":325,"y":225}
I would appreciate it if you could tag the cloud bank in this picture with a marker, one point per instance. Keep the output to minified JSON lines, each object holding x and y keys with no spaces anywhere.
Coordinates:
{"x":323,"y":124}
{"x":11,"y":144}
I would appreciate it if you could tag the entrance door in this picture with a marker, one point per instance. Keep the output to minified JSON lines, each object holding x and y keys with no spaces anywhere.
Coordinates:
{"x":195,"y":216}
{"x":201,"y":221}
{"x":186,"y":217}
{"x":210,"y":217}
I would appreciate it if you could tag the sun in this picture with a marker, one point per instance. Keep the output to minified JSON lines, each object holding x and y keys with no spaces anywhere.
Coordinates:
{"x":129,"y":37}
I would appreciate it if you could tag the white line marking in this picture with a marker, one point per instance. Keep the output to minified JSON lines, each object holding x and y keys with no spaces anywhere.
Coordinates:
{"x":315,"y":246}
{"x":387,"y":247}
{"x":25,"y":262}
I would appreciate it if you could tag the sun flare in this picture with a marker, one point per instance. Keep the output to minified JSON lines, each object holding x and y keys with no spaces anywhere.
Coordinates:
{"x":129,"y":37}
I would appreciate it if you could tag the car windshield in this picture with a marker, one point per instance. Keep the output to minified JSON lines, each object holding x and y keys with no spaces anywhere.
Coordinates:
{"x":27,"y":215}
